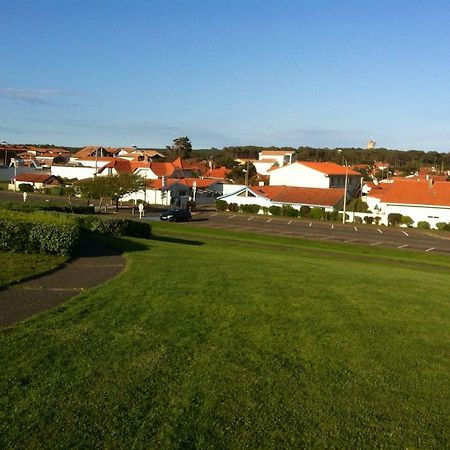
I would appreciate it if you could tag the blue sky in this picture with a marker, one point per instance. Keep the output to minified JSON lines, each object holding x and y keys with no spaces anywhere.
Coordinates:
{"x":319,"y":73}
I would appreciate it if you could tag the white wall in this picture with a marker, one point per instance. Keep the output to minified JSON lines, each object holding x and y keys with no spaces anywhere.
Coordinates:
{"x":70,"y":172}
{"x":262,"y":167}
{"x":430,"y":214}
{"x":298,"y":175}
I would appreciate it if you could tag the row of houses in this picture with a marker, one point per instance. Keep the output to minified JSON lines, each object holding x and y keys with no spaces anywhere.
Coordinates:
{"x":282,"y":181}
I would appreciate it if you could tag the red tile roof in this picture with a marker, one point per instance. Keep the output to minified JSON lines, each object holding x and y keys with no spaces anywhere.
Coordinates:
{"x":300,"y":195}
{"x":328,"y":168}
{"x":415,"y":192}
{"x":35,"y":177}
{"x":219,"y":172}
{"x":162,"y":168}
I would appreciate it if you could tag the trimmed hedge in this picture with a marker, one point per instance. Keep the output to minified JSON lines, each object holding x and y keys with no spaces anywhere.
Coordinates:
{"x":115,"y":226}
{"x":253,"y":209}
{"x":221,"y":205}
{"x":38,"y":233}
{"x":47,"y":206}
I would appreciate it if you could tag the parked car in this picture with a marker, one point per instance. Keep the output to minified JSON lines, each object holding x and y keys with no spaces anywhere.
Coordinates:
{"x":176,"y":215}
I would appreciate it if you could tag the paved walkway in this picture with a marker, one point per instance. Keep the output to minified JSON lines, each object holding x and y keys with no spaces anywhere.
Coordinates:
{"x":94,"y":264}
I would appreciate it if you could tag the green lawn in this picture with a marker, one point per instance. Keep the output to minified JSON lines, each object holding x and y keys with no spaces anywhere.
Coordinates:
{"x":18,"y":266}
{"x":216,"y":339}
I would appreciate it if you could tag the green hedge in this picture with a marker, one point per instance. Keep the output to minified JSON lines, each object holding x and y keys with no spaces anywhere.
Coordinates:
{"x":38,"y":232}
{"x":115,"y":226}
{"x":47,"y":206}
{"x":253,"y":209}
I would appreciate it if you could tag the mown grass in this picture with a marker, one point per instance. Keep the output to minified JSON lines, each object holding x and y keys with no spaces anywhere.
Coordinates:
{"x":217,"y":340}
{"x":19,"y":266}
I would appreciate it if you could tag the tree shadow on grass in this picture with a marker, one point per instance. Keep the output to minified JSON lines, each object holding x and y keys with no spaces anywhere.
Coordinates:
{"x":174,"y":240}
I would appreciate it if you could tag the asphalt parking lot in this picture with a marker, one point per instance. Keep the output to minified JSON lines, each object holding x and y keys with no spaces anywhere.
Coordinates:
{"x":372,"y":235}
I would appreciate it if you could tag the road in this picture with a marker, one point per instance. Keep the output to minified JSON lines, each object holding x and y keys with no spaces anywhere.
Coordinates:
{"x":393,"y":237}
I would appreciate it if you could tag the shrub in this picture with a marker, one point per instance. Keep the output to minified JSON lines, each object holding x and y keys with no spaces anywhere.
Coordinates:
{"x":340,"y":216}
{"x":289,"y":211}
{"x":233,"y":207}
{"x":333,"y":215}
{"x":394,"y":219}
{"x":423,"y":224}
{"x":265,"y":210}
{"x":221,"y":205}
{"x":275,"y":210}
{"x":253,"y":209}
{"x":406,"y":220}
{"x":116,"y":227}
{"x":357,"y":219}
{"x":442,"y":226}
{"x":368,"y":219}
{"x":377,"y":220}
{"x":316,"y":213}
{"x":357,"y":205}
{"x":38,"y":232}
{"x":304,"y":211}
{"x":47,"y":206}
{"x":26,"y":187}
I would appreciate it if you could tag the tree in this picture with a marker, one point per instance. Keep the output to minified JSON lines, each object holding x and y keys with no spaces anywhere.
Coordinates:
{"x":111,"y":186}
{"x":181,"y":148}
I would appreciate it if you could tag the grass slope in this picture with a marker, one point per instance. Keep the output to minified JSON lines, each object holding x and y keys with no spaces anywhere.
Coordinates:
{"x":218,"y":340}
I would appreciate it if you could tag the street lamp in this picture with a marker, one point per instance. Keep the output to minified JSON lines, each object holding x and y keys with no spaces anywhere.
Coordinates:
{"x":345,"y":184}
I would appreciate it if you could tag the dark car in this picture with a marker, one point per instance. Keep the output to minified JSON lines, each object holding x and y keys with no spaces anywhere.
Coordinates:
{"x":176,"y":215}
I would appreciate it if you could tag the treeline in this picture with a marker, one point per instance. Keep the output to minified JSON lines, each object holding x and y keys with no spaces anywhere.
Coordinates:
{"x":404,"y":160}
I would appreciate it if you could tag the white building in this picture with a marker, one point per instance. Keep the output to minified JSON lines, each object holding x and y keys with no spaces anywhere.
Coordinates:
{"x":322,"y":175}
{"x":267,"y":196}
{"x":269,"y":159}
{"x":422,"y":200}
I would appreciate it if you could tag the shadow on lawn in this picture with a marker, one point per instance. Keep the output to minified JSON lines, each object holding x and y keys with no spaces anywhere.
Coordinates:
{"x":174,"y":240}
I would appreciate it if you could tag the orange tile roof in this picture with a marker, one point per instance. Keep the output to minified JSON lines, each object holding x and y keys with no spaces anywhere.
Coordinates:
{"x":219,"y":172}
{"x":328,"y":168}
{"x":162,"y":168}
{"x":415,"y":192}
{"x":35,"y":177}
{"x":300,"y":195}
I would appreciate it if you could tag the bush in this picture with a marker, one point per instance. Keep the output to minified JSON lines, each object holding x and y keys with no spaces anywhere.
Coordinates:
{"x":253,"y":209}
{"x":47,"y":206}
{"x":333,"y":215}
{"x":340,"y":216}
{"x":394,"y":219}
{"x":289,"y":211}
{"x":357,"y":219}
{"x":304,"y":211}
{"x":265,"y":210}
{"x":233,"y":207}
{"x":442,"y":226}
{"x":38,"y":232}
{"x":275,"y":210}
{"x":357,"y":205}
{"x":316,"y":213}
{"x":368,"y":219}
{"x":26,"y":187}
{"x":406,"y":220}
{"x":221,"y":205}
{"x":115,"y":227}
{"x":423,"y":224}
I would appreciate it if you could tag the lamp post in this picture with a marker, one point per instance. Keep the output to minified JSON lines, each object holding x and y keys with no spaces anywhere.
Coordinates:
{"x":345,"y":185}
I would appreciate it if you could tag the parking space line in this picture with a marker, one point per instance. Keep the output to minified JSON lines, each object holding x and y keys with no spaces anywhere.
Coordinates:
{"x":429,"y":249}
{"x":356,"y":229}
{"x":289,"y":222}
{"x":269,"y":220}
{"x":405,"y":233}
{"x":231,"y":217}
{"x":351,"y":240}
{"x":379,"y":231}
{"x":250,"y":218}
{"x":403,"y":246}
{"x":376,"y":243}
{"x":215,"y":214}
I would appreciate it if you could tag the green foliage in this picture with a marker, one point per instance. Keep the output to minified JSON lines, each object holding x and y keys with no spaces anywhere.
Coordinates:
{"x":368,"y":219}
{"x":265,"y":210}
{"x":24,"y":187}
{"x":252,"y":209}
{"x":394,"y":219}
{"x":304,"y":211}
{"x":233,"y":207}
{"x":47,"y":206}
{"x":443,"y":226}
{"x":181,"y":148}
{"x":38,"y":232}
{"x":423,"y":224}
{"x":289,"y":211}
{"x":406,"y":220}
{"x":275,"y":210}
{"x":357,"y":205}
{"x":340,"y":216}
{"x":115,"y":227}
{"x":357,"y":219}
{"x":332,"y":215}
{"x":221,"y":205}
{"x":316,"y":213}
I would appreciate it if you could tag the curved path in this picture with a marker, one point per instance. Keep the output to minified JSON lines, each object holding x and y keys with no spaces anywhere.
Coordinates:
{"x":93,"y":264}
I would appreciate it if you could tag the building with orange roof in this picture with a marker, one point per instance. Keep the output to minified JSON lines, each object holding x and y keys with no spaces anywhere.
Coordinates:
{"x":323,"y":175}
{"x":422,"y":200}
{"x":267,"y":196}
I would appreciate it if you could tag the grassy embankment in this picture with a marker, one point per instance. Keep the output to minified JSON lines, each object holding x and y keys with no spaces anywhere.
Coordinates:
{"x":215,"y":339}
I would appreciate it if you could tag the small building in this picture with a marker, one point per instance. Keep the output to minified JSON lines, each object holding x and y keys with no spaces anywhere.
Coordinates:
{"x":37,"y":180}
